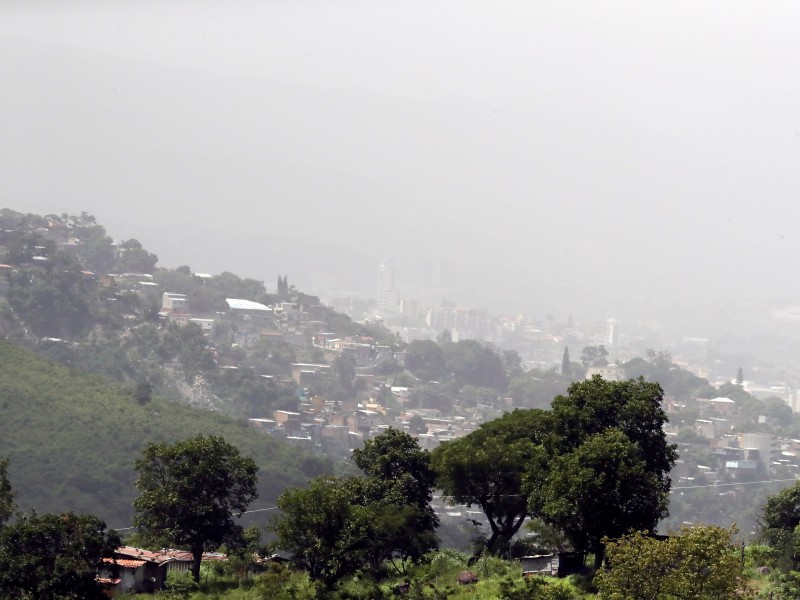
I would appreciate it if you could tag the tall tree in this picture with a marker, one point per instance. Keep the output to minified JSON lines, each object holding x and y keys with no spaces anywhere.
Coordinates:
{"x":739,"y":376}
{"x":594,"y":356}
{"x":54,"y":557}
{"x":615,"y":428}
{"x":400,"y":481}
{"x":633,"y":406}
{"x":324,"y":531}
{"x":6,"y":494}
{"x":486,"y":468}
{"x":190,"y":491}
{"x":600,"y":490}
{"x":566,"y":365}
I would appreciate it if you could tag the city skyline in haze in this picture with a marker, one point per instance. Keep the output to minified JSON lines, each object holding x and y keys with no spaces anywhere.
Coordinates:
{"x":606,"y":159}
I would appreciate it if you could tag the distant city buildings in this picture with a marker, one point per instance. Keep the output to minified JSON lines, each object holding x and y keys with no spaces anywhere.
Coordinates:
{"x":385,"y":285}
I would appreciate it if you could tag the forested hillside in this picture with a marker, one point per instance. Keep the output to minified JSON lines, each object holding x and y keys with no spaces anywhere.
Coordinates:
{"x":72,"y":439}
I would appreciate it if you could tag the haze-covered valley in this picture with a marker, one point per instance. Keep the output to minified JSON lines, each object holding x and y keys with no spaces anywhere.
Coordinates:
{"x":614,"y":162}
{"x":470,"y":208}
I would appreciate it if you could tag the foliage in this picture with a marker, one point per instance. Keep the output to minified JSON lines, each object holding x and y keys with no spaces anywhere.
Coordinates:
{"x":614,"y":429}
{"x":72,"y":439}
{"x":189,"y":491}
{"x":180,"y":585}
{"x":417,"y":425}
{"x":676,"y":381}
{"x":535,"y":588}
{"x":475,"y":363}
{"x":594,"y":356}
{"x":780,"y":524}
{"x":50,"y":295}
{"x":6,"y":494}
{"x":208,"y":294}
{"x":486,"y":468}
{"x":545,"y":538}
{"x":425,"y":359}
{"x":601,"y":489}
{"x":323,"y":530}
{"x":401,"y":468}
{"x":697,"y":564}
{"x":398,"y":488}
{"x":338,"y":526}
{"x":633,"y":406}
{"x":537,"y":388}
{"x":54,"y":557}
{"x":134,"y":259}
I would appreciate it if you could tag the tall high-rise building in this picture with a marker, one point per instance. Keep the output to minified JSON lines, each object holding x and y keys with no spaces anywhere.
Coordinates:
{"x":612,"y":334}
{"x":385,"y":284}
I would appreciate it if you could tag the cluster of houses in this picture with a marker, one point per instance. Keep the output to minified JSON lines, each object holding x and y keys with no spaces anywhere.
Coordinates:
{"x":338,"y":427}
{"x":716,"y":445}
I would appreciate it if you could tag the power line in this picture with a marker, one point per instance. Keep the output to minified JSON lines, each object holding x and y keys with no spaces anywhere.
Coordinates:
{"x":718,"y":485}
{"x":247,"y":512}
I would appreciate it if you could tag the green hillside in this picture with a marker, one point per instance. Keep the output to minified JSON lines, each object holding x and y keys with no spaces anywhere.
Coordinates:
{"x":72,"y":439}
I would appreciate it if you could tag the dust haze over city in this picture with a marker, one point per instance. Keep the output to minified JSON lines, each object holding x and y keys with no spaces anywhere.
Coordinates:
{"x":626,"y":160}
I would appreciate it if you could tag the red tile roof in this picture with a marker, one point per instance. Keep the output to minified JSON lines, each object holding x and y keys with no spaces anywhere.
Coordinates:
{"x":161,"y":556}
{"x":125,"y":562}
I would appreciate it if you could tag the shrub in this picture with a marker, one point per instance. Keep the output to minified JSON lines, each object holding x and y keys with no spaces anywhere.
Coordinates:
{"x":180,"y":585}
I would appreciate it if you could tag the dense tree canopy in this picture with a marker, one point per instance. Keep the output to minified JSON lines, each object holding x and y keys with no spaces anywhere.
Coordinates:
{"x":475,"y":363}
{"x":486,"y":468}
{"x":190,"y":491}
{"x":326,"y":533}
{"x":424,"y":358}
{"x":47,"y":289}
{"x":399,"y":485}
{"x":611,"y":462}
{"x":594,"y":356}
{"x":339,"y":525}
{"x":54,"y":557}
{"x":601,"y":489}
{"x":634,"y":407}
{"x":537,"y":388}
{"x":780,"y":521}
{"x":700,"y":563}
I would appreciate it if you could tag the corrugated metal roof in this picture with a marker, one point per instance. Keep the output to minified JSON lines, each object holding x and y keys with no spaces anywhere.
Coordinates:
{"x":239,"y":304}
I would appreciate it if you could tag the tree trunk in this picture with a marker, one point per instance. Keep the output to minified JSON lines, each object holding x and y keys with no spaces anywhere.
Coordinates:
{"x":599,"y":555}
{"x":197,"y":556}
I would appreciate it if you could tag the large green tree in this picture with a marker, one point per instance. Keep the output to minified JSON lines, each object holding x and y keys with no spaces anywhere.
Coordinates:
{"x":54,"y":557}
{"x":611,"y":462}
{"x":601,"y":490}
{"x":190,"y":491}
{"x":399,"y":486}
{"x":634,"y":407}
{"x":326,"y":533}
{"x":337,"y":526}
{"x":487,"y":467}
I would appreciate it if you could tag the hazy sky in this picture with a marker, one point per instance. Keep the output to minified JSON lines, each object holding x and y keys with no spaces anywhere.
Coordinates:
{"x":545,"y":156}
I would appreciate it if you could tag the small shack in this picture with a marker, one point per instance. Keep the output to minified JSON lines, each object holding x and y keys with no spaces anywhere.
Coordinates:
{"x":558,"y":564}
